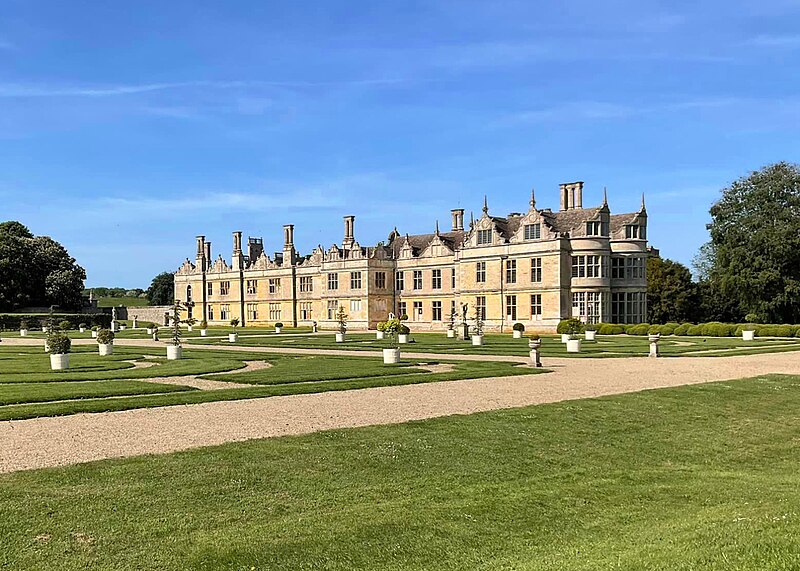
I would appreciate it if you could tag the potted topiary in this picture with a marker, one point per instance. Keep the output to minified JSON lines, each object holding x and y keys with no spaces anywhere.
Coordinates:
{"x":64,"y":325}
{"x":381,"y":333}
{"x":23,"y":328}
{"x":589,"y":332}
{"x":341,"y":318}
{"x":203,"y":328}
{"x":46,"y":325}
{"x":150,"y":328}
{"x":233,"y":337}
{"x":58,"y":345}
{"x":518,"y":329}
{"x":392,"y":328}
{"x":95,"y":329}
{"x":573,"y":329}
{"x":278,"y":327}
{"x":82,"y":327}
{"x":477,"y":329}
{"x":749,"y":329}
{"x":105,"y":342}
{"x":174,"y":349}
{"x":123,"y":326}
{"x":402,"y":333}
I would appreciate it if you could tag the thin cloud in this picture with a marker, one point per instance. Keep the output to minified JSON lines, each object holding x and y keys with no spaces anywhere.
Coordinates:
{"x":227,"y":201}
{"x":775,"y":41}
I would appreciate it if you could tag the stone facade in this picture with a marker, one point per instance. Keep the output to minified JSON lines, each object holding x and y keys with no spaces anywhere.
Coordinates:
{"x":536,"y":268}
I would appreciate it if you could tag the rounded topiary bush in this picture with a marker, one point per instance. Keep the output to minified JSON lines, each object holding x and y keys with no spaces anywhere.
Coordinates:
{"x":717,"y":329}
{"x":638,"y":329}
{"x":105,"y":337}
{"x":681,"y":329}
{"x":58,"y":343}
{"x":610,"y":329}
{"x":518,"y":327}
{"x":694,"y":330}
{"x":403,"y":330}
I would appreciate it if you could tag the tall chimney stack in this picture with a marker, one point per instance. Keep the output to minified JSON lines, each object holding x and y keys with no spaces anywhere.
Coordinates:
{"x":458,"y":219}
{"x":349,"y":225}
{"x":208,"y":255}
{"x":564,"y":189}
{"x":578,"y":194}
{"x":237,"y":261}
{"x":201,"y":253}
{"x":289,"y":253}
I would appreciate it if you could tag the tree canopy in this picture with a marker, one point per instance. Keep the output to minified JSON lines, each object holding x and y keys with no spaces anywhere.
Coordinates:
{"x":36,"y":271}
{"x":162,"y":289}
{"x":671,"y":293}
{"x":753,"y":259}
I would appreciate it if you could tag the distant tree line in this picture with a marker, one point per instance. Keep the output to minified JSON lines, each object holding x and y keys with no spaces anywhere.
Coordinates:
{"x":36,"y":271}
{"x":750,"y":268}
{"x":115,"y":292}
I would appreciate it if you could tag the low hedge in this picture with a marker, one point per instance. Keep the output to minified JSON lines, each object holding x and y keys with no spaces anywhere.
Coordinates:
{"x":564,"y":326}
{"x":10,"y":321}
{"x":710,"y":329}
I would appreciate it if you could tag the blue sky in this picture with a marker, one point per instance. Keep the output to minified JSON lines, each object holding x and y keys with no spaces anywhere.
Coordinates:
{"x":126,"y":128}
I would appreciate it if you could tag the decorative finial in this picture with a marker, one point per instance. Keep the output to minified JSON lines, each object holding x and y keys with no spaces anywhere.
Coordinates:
{"x":437,"y":228}
{"x":533,"y":198}
{"x":471,"y":219}
{"x":642,"y":201}
{"x":485,"y":205}
{"x":605,"y":196}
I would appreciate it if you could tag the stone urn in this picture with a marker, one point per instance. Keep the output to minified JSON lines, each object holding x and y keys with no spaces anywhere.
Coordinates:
{"x":748,"y":334}
{"x":105,"y":348}
{"x":590,"y":335}
{"x":565,"y":337}
{"x":380,"y":335}
{"x":451,"y":333}
{"x":573,"y":345}
{"x":535,"y":345}
{"x":653,"y":338}
{"x":59,"y":361}
{"x":174,"y":352}
{"x":391,"y":356}
{"x":233,"y":337}
{"x":340,"y":337}
{"x":477,"y":340}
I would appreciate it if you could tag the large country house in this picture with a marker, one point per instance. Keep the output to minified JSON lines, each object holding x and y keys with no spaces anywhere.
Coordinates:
{"x":536,"y":267}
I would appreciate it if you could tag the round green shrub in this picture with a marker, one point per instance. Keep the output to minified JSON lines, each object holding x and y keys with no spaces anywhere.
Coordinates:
{"x":403,"y":330}
{"x":610,"y":329}
{"x":694,"y":330}
{"x":638,"y":329}
{"x":518,"y":327}
{"x":58,"y":343}
{"x":64,"y":325}
{"x":681,"y":329}
{"x":105,"y":337}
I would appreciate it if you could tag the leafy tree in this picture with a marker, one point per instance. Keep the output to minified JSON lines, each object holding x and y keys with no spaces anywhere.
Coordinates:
{"x":36,"y":270}
{"x":755,"y":237}
{"x":162,"y":289}
{"x":671,"y":293}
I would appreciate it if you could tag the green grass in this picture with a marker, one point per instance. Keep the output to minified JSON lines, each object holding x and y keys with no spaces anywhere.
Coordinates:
{"x":27,"y":389}
{"x":126,"y":301}
{"x":682,"y":479}
{"x":495,"y":344}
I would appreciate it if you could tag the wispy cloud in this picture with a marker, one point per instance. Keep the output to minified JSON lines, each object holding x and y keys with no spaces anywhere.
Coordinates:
{"x":776,"y":41}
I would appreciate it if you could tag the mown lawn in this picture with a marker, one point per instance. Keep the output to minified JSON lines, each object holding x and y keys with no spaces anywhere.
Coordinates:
{"x":29,"y":389}
{"x":496,"y":344}
{"x":697,"y":477}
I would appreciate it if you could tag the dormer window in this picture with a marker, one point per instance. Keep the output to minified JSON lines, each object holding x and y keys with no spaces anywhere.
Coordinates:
{"x":635,"y":232}
{"x":597,"y":228}
{"x":484,"y":237}
{"x":533,"y":231}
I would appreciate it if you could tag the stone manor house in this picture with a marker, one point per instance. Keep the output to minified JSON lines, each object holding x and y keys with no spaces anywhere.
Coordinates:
{"x":536,"y":267}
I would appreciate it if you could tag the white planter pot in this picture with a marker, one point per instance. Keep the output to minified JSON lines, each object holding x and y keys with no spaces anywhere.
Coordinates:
{"x":391,"y":356}
{"x":278,"y":330}
{"x":748,"y":335}
{"x":477,"y":340}
{"x":233,"y":337}
{"x":59,"y":362}
{"x":340,"y":337}
{"x":155,"y":337}
{"x":564,"y":337}
{"x":44,"y":329}
{"x":174,"y":352}
{"x":203,"y":332}
{"x":517,"y":334}
{"x":149,"y":330}
{"x":94,"y":334}
{"x":105,"y":348}
{"x":402,"y":338}
{"x":23,"y":332}
{"x":123,"y":327}
{"x":574,"y":346}
{"x":451,"y":333}
{"x":82,"y":329}
{"x":590,"y":335}
{"x":191,"y":327}
{"x":46,"y":347}
{"x":380,"y":335}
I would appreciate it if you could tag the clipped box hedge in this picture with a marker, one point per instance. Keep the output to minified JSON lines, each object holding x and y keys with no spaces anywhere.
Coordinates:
{"x":11,"y":321}
{"x":710,"y":329}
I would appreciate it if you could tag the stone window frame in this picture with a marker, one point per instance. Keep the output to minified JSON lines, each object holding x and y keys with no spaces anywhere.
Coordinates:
{"x":532,"y":231}
{"x":436,"y":279}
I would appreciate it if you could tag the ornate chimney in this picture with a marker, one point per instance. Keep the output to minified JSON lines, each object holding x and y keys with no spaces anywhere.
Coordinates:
{"x":289,"y":253}
{"x":349,"y":231}
{"x":237,"y":260}
{"x":201,"y":253}
{"x":208,"y":254}
{"x":458,"y":219}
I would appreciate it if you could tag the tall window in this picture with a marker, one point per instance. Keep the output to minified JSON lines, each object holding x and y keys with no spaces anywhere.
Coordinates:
{"x":355,"y":280}
{"x":588,"y":267}
{"x":586,"y":305}
{"x":355,"y":306}
{"x":536,"y":270}
{"x":511,"y":271}
{"x":417,"y":316}
{"x":480,"y":272}
{"x":436,"y":279}
{"x":511,"y":307}
{"x":536,"y":306}
{"x":634,"y":268}
{"x":225,"y":312}
{"x":436,"y":311}
{"x":417,"y":279}
{"x":480,"y":306}
{"x":252,"y":285}
{"x":635,"y":231}
{"x":617,"y":268}
{"x":274,"y":311}
{"x":224,"y":288}
{"x":306,"y":284}
{"x":210,"y":288}
{"x":333,"y":281}
{"x":578,"y":266}
{"x":188,"y":293}
{"x":533,"y":231}
{"x":252,"y":311}
{"x":380,"y":280}
{"x":597,"y":228}
{"x":592,"y":266}
{"x":333,"y":305}
{"x":402,"y":309}
{"x":399,"y":281}
{"x":484,"y":237}
{"x":306,"y":310}
{"x":274,"y":285}
{"x":628,"y":307}
{"x":453,"y":278}
{"x":211,"y":313}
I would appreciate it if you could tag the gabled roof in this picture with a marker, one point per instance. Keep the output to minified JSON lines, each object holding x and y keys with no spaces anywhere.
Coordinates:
{"x":419,"y":242}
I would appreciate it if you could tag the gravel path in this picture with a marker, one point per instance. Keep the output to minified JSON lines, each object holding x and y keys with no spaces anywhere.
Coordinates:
{"x":57,"y":441}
